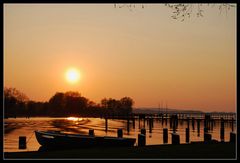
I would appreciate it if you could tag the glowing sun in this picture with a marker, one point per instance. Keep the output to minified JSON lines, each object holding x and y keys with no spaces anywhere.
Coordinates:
{"x":72,"y":75}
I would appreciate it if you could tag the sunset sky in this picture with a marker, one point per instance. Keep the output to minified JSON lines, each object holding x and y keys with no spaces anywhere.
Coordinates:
{"x":143,"y":54}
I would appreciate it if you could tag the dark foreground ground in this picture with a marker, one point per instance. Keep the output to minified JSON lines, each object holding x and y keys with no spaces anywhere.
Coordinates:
{"x":184,"y":151}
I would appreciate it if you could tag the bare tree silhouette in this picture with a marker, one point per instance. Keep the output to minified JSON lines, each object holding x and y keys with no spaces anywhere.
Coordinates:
{"x":181,"y":11}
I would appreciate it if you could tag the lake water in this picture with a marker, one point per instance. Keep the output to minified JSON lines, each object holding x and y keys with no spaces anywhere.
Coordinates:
{"x":15,"y":127}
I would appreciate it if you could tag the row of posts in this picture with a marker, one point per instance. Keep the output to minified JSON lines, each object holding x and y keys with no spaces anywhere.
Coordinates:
{"x":142,"y":136}
{"x":176,"y":137}
{"x":208,"y":125}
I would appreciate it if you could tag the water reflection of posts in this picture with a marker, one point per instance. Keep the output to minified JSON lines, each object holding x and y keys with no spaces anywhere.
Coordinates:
{"x":133,"y":122}
{"x":198,"y":127}
{"x":150,"y":128}
{"x":212,"y":123}
{"x":106,"y":124}
{"x":162,"y":119}
{"x":170,"y":121}
{"x":222,"y":130}
{"x":207,"y":121}
{"x":181,"y":121}
{"x":139,"y":123}
{"x":176,"y":118}
{"x":150,"y":124}
{"x":193,"y":123}
{"x":232,"y":124}
{"x":128,"y":123}
{"x":144,"y":120}
{"x":174,"y":125}
{"x":166,"y":119}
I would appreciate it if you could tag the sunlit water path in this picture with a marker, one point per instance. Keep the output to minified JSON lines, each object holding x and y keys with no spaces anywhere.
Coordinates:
{"x":13,"y":128}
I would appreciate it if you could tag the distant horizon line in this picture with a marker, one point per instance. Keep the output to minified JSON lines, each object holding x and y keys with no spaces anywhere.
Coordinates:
{"x":156,"y":109}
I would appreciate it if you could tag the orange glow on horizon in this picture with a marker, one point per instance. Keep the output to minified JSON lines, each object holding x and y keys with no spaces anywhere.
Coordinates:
{"x":100,"y":51}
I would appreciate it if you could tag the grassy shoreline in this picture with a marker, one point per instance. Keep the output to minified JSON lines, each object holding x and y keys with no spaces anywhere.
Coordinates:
{"x":182,"y":151}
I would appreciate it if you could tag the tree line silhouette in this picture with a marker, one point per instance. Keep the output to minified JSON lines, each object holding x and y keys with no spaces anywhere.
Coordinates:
{"x":71,"y":103}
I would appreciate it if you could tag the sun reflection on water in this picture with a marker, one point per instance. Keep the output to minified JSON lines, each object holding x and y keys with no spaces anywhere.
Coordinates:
{"x":74,"y":119}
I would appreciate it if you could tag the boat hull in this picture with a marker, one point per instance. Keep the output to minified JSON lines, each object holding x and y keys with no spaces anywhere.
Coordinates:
{"x":48,"y":139}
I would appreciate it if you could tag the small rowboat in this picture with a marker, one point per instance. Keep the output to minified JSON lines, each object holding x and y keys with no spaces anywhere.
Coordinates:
{"x":59,"y":139}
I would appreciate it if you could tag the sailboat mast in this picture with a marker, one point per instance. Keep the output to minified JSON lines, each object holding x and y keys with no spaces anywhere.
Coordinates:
{"x":166,"y":107}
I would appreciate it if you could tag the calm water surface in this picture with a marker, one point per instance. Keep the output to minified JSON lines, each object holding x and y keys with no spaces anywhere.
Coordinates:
{"x":13,"y":128}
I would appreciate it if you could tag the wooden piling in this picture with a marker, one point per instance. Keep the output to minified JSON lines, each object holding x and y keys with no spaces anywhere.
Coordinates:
{"x":91,"y":132}
{"x":207,"y":137}
{"x":187,"y":135}
{"x":175,"y":138}
{"x":188,"y":122}
{"x":22,"y":144}
{"x":232,"y":137}
{"x":143,"y":131}
{"x":141,"y":140}
{"x":165,"y":135}
{"x":119,"y":133}
{"x":205,"y":132}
